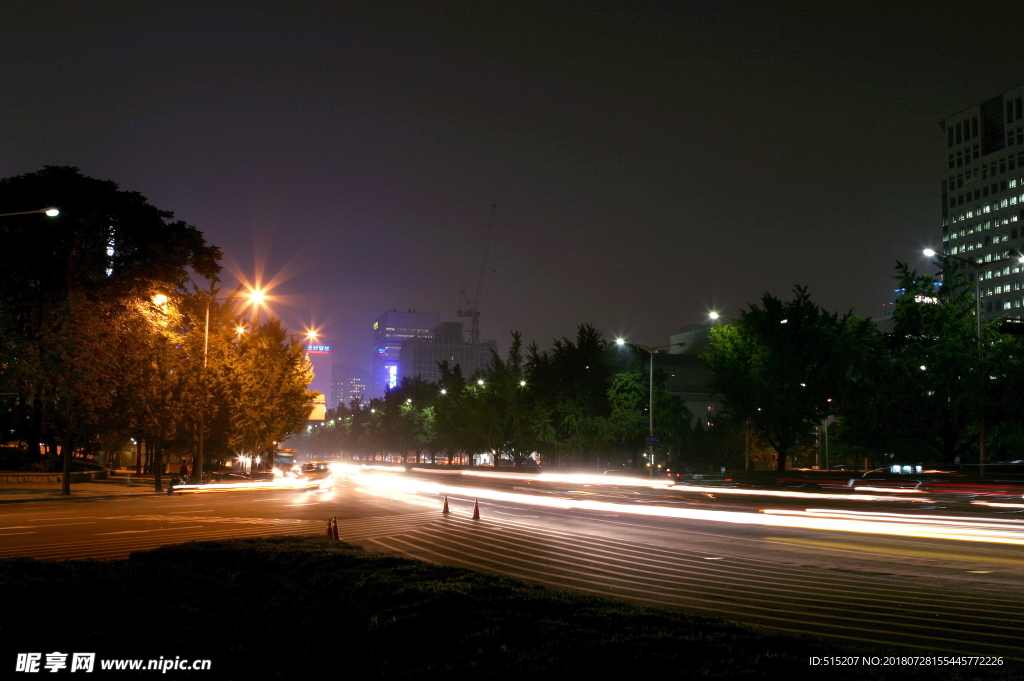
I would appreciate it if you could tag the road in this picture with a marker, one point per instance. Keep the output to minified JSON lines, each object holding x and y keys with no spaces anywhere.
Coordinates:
{"x":854,"y":574}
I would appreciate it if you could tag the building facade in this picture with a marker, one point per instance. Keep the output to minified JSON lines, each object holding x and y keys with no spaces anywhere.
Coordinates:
{"x":348,"y":383}
{"x":422,"y":356}
{"x":389,"y":332}
{"x":983,"y":197}
{"x":319,"y":354}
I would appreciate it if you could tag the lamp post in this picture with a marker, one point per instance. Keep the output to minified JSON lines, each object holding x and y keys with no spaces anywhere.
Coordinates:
{"x":977,"y":265}
{"x":51,"y":212}
{"x":650,"y":393}
{"x":255,"y":296}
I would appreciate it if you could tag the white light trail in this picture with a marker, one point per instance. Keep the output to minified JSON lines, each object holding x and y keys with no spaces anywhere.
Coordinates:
{"x":884,"y":524}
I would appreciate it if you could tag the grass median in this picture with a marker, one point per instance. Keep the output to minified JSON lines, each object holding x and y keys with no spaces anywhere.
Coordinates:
{"x":266,"y":608}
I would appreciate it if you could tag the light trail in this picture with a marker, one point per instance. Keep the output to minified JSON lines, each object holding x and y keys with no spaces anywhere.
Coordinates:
{"x":625,"y":481}
{"x":878,"y":524}
{"x":280,"y":483}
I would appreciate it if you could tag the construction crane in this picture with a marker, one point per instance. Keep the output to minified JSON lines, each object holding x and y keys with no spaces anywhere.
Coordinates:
{"x":472,"y":307}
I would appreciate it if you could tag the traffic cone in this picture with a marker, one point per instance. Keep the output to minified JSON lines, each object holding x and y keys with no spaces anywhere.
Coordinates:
{"x":445,"y":509}
{"x":476,"y":509}
{"x":334,"y":532}
{"x":329,"y":533}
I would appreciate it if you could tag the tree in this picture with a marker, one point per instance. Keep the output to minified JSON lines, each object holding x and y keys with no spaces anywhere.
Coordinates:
{"x":571,"y":387}
{"x":930,"y":378}
{"x":784,"y":366}
{"x":270,"y":372}
{"x":68,"y":283}
{"x":515,"y":430}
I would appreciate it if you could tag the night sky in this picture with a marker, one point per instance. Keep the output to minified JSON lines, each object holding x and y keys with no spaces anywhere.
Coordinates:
{"x":650,"y":161}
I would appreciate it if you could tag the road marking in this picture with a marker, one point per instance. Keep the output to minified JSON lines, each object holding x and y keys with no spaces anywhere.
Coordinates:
{"x":899,"y":552}
{"x":22,"y":527}
{"x":158,"y":529}
{"x":7,"y":534}
{"x":660,"y":600}
{"x":754,"y":574}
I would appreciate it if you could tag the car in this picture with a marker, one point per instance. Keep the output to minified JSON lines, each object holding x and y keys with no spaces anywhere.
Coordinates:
{"x":315,"y":470}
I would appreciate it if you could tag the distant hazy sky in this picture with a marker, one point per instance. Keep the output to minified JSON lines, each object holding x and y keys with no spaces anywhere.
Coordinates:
{"x":650,"y":161}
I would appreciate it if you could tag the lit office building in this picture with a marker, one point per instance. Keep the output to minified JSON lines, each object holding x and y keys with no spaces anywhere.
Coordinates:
{"x":983,"y":197}
{"x":348,"y":383}
{"x":422,"y":356}
{"x":389,"y":332}
{"x":319,"y":354}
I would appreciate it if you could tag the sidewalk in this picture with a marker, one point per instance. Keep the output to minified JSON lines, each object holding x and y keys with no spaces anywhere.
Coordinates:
{"x":119,"y":485}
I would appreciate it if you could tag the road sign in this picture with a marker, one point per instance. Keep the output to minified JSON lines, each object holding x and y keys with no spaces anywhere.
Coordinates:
{"x":652,"y":441}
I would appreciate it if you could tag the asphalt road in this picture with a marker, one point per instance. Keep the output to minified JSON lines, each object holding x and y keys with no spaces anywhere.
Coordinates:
{"x":929,"y":592}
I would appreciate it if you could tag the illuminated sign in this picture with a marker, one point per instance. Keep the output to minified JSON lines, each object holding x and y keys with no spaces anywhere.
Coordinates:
{"x":926,"y":299}
{"x":392,"y":376}
{"x":375,"y":325}
{"x":318,"y":349}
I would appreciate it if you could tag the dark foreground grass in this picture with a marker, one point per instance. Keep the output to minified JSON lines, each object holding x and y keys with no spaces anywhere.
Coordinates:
{"x":292,"y":607}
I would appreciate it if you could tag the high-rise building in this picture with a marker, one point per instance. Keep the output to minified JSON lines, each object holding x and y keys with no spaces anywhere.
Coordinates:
{"x":348,"y":383}
{"x":983,"y":197}
{"x":389,"y":332}
{"x":422,"y":356}
{"x":319,"y":353}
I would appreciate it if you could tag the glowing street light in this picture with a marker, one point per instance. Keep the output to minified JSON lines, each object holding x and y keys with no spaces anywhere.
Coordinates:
{"x":621,"y":342}
{"x":51,"y":212}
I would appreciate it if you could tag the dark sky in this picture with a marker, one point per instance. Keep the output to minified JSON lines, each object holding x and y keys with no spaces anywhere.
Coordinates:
{"x":651,"y":161}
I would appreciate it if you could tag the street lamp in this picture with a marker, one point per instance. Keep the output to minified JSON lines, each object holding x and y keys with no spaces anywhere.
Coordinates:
{"x":255,"y":296}
{"x":621,"y":342}
{"x":51,"y":212}
{"x":977,"y":265}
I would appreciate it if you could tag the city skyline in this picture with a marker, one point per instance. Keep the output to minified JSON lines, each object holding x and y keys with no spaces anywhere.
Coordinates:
{"x":650,"y":161}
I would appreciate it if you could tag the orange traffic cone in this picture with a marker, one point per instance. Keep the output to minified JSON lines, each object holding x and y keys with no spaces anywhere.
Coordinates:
{"x":334,"y":532}
{"x":476,"y":509}
{"x":329,"y":531}
{"x":445,"y":509}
